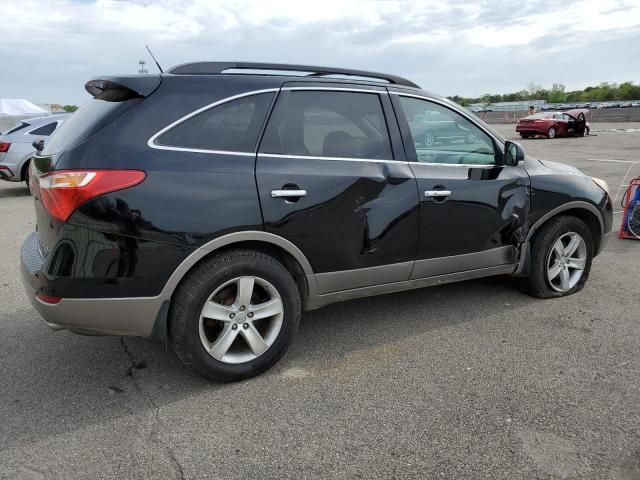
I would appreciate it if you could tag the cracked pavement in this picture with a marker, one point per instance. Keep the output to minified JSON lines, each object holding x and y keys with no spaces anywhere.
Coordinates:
{"x":469,"y":380}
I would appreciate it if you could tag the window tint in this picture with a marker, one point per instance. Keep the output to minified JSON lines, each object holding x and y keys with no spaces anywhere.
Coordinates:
{"x":232,"y":126}
{"x":44,"y":130}
{"x":443,"y":136}
{"x":86,"y":121}
{"x":328,"y":124}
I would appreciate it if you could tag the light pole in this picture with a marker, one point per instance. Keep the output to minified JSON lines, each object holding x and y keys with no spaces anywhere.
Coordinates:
{"x":142,"y":67}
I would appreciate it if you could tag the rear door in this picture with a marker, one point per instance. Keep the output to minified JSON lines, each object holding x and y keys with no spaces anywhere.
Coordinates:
{"x":333,"y":179}
{"x":473,"y":210}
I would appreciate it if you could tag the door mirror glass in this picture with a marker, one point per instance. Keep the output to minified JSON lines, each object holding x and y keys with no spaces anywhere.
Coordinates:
{"x":513,"y":153}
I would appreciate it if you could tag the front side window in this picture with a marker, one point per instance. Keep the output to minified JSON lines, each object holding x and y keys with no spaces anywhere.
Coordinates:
{"x":328,"y":124}
{"x":45,"y":130}
{"x":232,"y":126}
{"x":443,"y":136}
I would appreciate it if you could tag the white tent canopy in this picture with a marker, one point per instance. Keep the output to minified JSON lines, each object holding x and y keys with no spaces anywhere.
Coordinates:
{"x":20,"y":107}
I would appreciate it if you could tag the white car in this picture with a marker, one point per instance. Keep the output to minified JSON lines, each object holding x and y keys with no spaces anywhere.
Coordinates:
{"x":16,"y":145}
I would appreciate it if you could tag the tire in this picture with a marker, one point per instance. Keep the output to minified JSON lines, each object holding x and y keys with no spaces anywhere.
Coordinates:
{"x":25,"y":175}
{"x":194,"y":336}
{"x":525,"y":135}
{"x":551,"y":133}
{"x":545,"y":261}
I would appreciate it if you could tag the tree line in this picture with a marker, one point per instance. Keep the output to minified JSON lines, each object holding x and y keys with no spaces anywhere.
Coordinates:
{"x":604,"y":92}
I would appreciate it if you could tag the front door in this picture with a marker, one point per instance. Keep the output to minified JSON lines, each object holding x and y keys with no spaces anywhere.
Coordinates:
{"x":333,"y":180}
{"x":473,"y":210}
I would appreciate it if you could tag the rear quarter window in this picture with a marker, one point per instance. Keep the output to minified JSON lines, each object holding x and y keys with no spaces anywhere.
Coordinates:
{"x":233,"y":126}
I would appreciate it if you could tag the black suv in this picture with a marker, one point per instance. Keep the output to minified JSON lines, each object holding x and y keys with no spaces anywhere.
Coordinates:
{"x":211,"y":204}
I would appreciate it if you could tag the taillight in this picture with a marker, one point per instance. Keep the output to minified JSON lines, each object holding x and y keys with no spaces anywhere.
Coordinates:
{"x":48,"y":298}
{"x":4,"y":147}
{"x":65,"y":190}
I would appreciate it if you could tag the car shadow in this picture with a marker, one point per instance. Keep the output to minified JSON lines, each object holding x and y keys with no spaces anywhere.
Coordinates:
{"x":87,"y":380}
{"x":15,"y":190}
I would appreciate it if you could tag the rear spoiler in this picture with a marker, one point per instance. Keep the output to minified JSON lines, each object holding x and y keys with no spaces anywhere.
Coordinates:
{"x":117,"y":89}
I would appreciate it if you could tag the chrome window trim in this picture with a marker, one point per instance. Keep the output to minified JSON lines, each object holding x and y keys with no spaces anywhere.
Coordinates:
{"x":339,"y":89}
{"x":342,"y":159}
{"x":458,"y":165}
{"x":152,"y":140}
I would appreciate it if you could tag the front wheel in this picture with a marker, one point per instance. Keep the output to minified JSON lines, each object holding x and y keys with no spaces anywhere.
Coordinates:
{"x":551,"y":133}
{"x":235,"y":315}
{"x":561,"y":256}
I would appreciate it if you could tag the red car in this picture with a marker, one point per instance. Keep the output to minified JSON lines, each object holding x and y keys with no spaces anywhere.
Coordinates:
{"x":554,"y":124}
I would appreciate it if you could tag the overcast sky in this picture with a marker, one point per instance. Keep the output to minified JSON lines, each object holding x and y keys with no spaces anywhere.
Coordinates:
{"x":50,"y":48}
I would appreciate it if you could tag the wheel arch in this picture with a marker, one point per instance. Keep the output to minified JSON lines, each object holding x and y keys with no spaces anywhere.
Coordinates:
{"x":282,"y":249}
{"x":23,"y":168}
{"x":585,"y":211}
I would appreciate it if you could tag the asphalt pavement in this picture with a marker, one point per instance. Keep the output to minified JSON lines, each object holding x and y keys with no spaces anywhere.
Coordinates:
{"x":470,"y":380}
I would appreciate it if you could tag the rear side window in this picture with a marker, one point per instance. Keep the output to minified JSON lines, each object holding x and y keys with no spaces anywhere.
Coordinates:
{"x":84,"y":122}
{"x":233,"y":126}
{"x":45,"y":130}
{"x":328,"y":124}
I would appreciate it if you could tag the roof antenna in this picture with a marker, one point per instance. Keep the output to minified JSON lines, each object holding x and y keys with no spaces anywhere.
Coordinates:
{"x":154,"y":59}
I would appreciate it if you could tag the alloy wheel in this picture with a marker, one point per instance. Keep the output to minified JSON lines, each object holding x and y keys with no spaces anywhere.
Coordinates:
{"x":241,"y":320}
{"x":566,"y":262}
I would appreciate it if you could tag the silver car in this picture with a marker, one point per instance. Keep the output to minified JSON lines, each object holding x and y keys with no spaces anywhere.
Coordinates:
{"x":16,"y":147}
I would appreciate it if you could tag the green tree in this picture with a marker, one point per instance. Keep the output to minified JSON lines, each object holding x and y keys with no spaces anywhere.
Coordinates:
{"x":70,"y":108}
{"x":557,"y":94}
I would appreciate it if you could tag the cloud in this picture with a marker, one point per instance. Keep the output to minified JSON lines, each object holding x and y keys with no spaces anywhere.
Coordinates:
{"x":49,"y":48}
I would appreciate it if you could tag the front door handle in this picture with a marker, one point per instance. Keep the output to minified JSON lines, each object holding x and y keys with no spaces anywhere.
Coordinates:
{"x":288,"y":193}
{"x":437,"y":193}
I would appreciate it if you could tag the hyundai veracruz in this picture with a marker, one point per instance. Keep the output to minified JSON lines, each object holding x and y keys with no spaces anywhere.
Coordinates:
{"x":210,"y":205}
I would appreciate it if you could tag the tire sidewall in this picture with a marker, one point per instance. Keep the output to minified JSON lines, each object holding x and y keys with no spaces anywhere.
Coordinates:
{"x":185,"y":321}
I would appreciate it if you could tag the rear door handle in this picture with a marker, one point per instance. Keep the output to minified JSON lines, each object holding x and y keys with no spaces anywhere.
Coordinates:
{"x":437,"y":193}
{"x":288,"y":193}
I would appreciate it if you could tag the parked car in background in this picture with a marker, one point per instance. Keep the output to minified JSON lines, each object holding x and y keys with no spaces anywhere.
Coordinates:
{"x":16,"y":145}
{"x":635,"y":104}
{"x":209,"y":209}
{"x":554,"y":124}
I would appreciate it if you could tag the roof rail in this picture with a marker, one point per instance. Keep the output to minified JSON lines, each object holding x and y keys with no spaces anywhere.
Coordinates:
{"x":212,"y":68}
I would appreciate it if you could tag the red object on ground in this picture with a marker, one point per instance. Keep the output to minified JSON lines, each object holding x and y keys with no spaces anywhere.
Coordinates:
{"x":628,"y":197}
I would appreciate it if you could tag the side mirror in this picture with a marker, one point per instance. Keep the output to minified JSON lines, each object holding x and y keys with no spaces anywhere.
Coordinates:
{"x":38,"y":145}
{"x":513,"y":153}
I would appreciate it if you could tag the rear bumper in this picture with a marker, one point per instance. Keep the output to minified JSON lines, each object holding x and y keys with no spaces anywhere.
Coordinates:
{"x":102,"y":316}
{"x":531,"y":129}
{"x":8,"y":172}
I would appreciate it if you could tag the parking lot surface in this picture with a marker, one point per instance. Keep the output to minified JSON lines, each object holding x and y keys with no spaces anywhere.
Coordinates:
{"x":468,"y":380}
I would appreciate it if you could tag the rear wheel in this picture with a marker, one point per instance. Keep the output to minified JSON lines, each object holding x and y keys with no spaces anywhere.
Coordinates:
{"x":235,"y":315}
{"x":551,"y":133}
{"x":561,"y":256}
{"x":25,"y":174}
{"x":525,"y":135}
